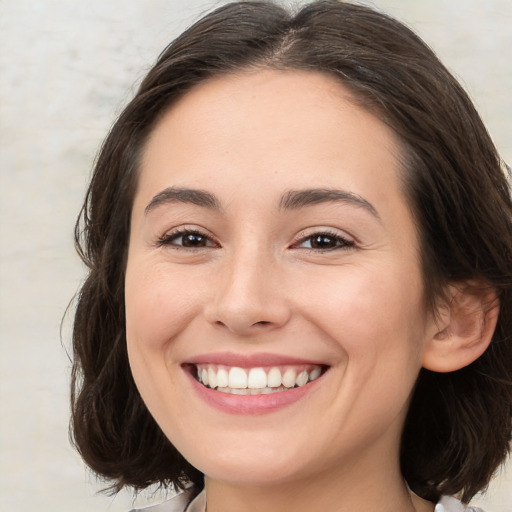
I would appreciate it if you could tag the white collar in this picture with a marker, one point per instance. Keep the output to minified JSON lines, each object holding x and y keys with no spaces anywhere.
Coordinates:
{"x":198,"y":504}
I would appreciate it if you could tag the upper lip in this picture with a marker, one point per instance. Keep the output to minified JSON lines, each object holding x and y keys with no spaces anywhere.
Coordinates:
{"x":249,"y":360}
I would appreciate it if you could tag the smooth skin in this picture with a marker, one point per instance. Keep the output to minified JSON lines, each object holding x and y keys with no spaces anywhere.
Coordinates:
{"x":245,"y":274}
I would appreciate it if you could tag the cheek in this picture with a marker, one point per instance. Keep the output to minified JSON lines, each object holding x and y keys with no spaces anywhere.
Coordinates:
{"x":158,"y":305}
{"x":376,"y":316}
{"x":156,"y":313}
{"x":377,"y":319}
{"x":158,"y":309}
{"x":364,"y":299}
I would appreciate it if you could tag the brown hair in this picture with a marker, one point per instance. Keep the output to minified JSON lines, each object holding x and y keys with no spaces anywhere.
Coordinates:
{"x":459,"y":424}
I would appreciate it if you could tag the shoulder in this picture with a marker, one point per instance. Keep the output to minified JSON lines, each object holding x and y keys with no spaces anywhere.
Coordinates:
{"x":450,"y":504}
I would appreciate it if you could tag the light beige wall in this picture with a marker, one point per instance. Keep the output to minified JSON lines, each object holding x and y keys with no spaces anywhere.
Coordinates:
{"x":66,"y":69}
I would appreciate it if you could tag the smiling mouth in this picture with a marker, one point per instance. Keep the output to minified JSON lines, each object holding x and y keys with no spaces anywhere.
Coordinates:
{"x":255,"y":381}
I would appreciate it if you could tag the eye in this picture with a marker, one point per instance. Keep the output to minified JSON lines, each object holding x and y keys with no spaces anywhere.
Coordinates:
{"x":187,"y":238}
{"x":324,"y":241}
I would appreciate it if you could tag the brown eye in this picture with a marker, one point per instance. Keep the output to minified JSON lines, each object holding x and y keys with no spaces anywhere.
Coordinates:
{"x":193,"y":240}
{"x":325,"y":242}
{"x":188,"y":238}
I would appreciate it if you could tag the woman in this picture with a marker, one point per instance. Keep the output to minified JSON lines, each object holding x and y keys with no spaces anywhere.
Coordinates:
{"x":299,"y":242}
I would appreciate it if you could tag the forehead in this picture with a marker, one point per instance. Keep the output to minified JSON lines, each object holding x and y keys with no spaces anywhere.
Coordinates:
{"x":289,"y":128}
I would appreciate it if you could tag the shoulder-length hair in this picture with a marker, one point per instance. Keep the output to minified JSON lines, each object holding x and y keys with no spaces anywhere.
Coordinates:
{"x":459,"y":424}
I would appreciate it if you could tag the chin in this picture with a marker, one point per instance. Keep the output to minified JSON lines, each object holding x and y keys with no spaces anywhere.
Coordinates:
{"x":249,"y":469}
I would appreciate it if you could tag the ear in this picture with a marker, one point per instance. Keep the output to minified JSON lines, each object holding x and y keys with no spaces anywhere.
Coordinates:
{"x":463,"y":328}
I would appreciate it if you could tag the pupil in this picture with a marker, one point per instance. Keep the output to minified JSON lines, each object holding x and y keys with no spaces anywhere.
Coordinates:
{"x":323,"y":242}
{"x":192,"y":240}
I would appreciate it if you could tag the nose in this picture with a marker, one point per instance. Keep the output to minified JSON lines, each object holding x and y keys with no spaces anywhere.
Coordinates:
{"x":249,"y":298}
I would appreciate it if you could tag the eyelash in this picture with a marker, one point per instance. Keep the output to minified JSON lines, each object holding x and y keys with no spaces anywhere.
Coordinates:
{"x":341,"y":242}
{"x":169,"y":239}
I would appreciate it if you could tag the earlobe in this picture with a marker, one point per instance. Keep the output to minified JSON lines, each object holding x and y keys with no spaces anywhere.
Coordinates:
{"x":464,"y":327}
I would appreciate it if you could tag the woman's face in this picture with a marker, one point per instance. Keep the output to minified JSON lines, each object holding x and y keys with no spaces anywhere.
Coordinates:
{"x":272,"y":252}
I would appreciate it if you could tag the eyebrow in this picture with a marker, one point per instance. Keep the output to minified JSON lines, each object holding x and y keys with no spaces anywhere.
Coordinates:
{"x":184,"y":195}
{"x":291,"y":200}
{"x":295,"y":199}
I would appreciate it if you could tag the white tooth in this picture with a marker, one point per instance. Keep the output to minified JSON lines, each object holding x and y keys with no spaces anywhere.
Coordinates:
{"x":199,"y":373}
{"x":257,"y":378}
{"x":237,"y":378}
{"x":222,"y":378}
{"x":212,"y":378}
{"x":204,"y":376}
{"x":301,"y":379}
{"x":289,"y":378}
{"x":315,"y":373}
{"x":274,"y":378}
{"x":266,"y":391}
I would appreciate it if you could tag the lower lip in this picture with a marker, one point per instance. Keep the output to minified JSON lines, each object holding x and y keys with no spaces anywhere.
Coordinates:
{"x":251,"y":404}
